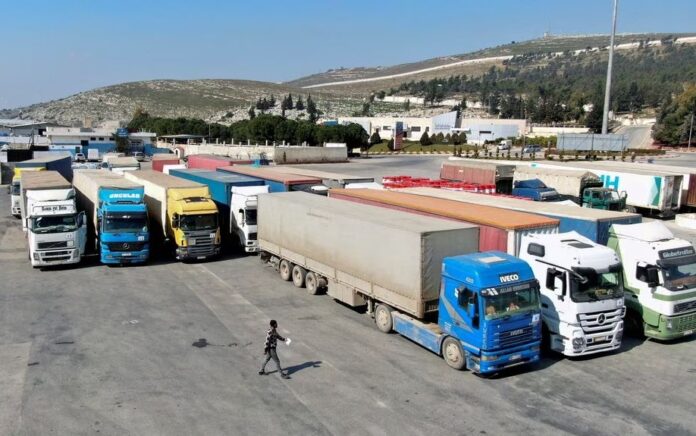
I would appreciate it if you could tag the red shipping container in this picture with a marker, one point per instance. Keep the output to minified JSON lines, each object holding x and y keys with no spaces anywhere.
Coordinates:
{"x":213,"y":162}
{"x":159,"y":161}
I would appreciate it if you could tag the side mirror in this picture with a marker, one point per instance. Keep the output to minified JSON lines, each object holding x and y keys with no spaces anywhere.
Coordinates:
{"x":551,"y":275}
{"x":175,"y":221}
{"x":28,"y":224}
{"x":81,"y":219}
{"x":648,"y":274}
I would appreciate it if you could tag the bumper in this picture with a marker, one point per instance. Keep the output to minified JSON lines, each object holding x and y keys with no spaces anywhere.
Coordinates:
{"x":16,"y":211}
{"x":672,"y":327}
{"x":593,"y":343}
{"x":124,"y":257}
{"x":188,"y":253}
{"x":66,"y":256}
{"x":490,"y":362}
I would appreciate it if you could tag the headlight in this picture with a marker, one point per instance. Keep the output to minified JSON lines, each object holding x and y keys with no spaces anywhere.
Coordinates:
{"x":578,"y":343}
{"x":669,"y":324}
{"x":191,"y":242}
{"x":70,"y":244}
{"x":36,"y":256}
{"x":489,"y":358}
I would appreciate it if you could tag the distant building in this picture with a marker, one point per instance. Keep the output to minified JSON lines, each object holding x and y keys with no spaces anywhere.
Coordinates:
{"x":82,"y":139}
{"x":18,"y":127}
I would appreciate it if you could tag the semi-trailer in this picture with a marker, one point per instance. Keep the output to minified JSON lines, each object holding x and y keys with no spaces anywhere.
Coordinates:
{"x":56,"y":231}
{"x":60,"y":163}
{"x":236,"y":198}
{"x":329,"y":179}
{"x":15,"y":190}
{"x":498,"y":231}
{"x":121,"y":164}
{"x":408,"y":269}
{"x":184,"y":215}
{"x":582,"y":293}
{"x":649,"y":191}
{"x":278,"y":181}
{"x":213,"y":162}
{"x":659,"y":272}
{"x":118,"y":226}
{"x":160,"y":160}
{"x":482,"y":173}
{"x":590,"y":223}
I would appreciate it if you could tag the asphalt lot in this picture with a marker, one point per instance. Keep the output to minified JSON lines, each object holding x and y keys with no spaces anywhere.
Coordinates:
{"x":109,"y":350}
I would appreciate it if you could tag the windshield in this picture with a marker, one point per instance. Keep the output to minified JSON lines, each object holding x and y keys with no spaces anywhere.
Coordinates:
{"x":125,"y":223}
{"x":198,"y":222}
{"x":54,"y":224}
{"x":512,"y":299}
{"x":679,"y":277}
{"x":15,"y":189}
{"x":250,"y":215}
{"x":598,"y":286}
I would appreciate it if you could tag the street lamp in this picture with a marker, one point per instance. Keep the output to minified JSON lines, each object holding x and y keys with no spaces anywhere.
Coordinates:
{"x":607,"y":91}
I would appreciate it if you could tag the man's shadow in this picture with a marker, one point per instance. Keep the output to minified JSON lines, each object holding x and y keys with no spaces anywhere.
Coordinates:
{"x":297,"y":368}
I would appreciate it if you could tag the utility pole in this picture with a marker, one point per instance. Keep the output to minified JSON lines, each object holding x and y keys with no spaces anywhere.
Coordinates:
{"x":691,"y":131}
{"x":607,"y":91}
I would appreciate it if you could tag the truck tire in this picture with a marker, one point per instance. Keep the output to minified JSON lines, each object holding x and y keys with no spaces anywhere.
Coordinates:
{"x":453,"y":354}
{"x":312,"y":283}
{"x":383,"y":318}
{"x":298,"y":276}
{"x":285,"y":270}
{"x":633,"y":324}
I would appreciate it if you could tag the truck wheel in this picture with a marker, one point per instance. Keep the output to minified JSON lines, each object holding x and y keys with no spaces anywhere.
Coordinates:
{"x":633,"y":325}
{"x":298,"y":276}
{"x":453,"y":354}
{"x":312,"y":283}
{"x":285,"y":270}
{"x":383,"y":318}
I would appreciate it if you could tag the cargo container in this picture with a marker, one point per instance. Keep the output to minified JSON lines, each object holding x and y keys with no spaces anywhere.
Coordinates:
{"x":498,"y":231}
{"x":278,"y":181}
{"x":56,"y":231}
{"x":236,"y":199}
{"x":160,"y":160}
{"x":15,"y":190}
{"x":166,"y":169}
{"x":118,"y":227}
{"x":61,"y":164}
{"x":213,"y":162}
{"x":121,"y":164}
{"x":181,"y":213}
{"x":329,"y":179}
{"x":482,"y":173}
{"x":593,"y":224}
{"x":570,"y":184}
{"x":408,"y":268}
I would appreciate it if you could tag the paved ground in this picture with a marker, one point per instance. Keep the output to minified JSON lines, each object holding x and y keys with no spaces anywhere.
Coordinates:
{"x":638,"y":136}
{"x":95,"y":349}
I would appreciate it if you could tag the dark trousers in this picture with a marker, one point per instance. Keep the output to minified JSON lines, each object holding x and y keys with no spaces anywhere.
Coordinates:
{"x":271,"y":354}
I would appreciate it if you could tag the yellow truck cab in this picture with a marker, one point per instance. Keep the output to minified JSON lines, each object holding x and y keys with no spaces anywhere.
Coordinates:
{"x":184,"y":211}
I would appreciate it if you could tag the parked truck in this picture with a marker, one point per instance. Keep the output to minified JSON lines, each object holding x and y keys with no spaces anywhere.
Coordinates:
{"x":236,"y":199}
{"x":483,"y":173}
{"x":15,"y":190}
{"x":660,"y":280}
{"x":330,"y":179}
{"x":581,"y":186}
{"x":93,"y":155}
{"x":56,"y":231}
{"x":184,"y":215}
{"x":534,"y":189}
{"x":121,"y":164}
{"x":160,"y":160}
{"x":582,"y":295}
{"x":408,"y":269}
{"x":497,"y":231}
{"x":593,"y":224}
{"x":278,"y":181}
{"x":118,"y":225}
{"x":61,"y":163}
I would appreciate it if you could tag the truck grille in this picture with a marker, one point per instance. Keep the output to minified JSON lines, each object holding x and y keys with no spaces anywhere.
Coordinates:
{"x":204,"y":245}
{"x":125,"y":246}
{"x":515,"y":336}
{"x":599,"y":322}
{"x":56,"y":256}
{"x":684,"y":322}
{"x":252,"y":236}
{"x":685,"y":307}
{"x":54,"y":244}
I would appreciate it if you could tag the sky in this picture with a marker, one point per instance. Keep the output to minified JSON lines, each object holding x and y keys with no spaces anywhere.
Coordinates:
{"x":54,"y":48}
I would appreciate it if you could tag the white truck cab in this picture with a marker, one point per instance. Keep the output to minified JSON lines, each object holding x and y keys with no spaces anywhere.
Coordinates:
{"x":582,"y":295}
{"x":244,"y":206}
{"x":660,"y":276}
{"x":15,"y":207}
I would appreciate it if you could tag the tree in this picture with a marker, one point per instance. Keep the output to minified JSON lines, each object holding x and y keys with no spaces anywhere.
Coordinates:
{"x":381,"y":95}
{"x":425,"y":139}
{"x":593,"y":120}
{"x":365,"y":110}
{"x":312,"y":110}
{"x":252,"y":113}
{"x":271,"y":102}
{"x":299,"y":105}
{"x":122,"y":144}
{"x":290,"y":103}
{"x":375,"y":138}
{"x":456,"y":139}
{"x":407,"y":105}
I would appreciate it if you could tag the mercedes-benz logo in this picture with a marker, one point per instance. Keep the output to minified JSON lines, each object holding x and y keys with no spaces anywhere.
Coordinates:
{"x":601,"y":318}
{"x":126,"y":247}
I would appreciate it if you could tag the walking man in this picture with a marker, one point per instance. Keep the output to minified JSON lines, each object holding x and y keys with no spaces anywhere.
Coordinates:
{"x":269,"y":350}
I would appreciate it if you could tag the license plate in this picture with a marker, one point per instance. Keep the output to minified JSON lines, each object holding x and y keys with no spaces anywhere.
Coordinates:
{"x":200,"y":257}
{"x":515,"y":356}
{"x":126,"y":254}
{"x":601,"y":339}
{"x":688,"y":332}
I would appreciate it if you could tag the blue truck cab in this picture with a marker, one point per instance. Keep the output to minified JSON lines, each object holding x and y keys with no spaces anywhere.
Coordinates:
{"x":534,"y":189}
{"x":123,"y":230}
{"x":489,"y":317}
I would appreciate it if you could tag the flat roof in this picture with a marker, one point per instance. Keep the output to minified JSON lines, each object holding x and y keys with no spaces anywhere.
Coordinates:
{"x":319,"y":174}
{"x":182,"y":136}
{"x":44,"y":180}
{"x":473,"y":213}
{"x":161,"y":179}
{"x":268,"y":174}
{"x":215,"y":175}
